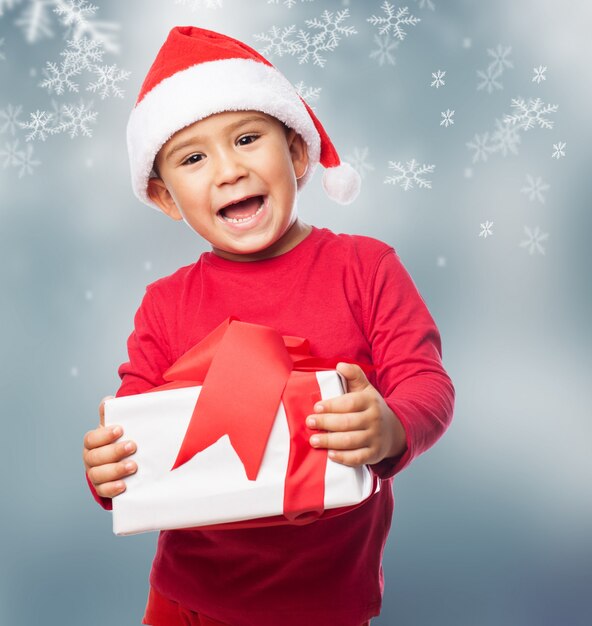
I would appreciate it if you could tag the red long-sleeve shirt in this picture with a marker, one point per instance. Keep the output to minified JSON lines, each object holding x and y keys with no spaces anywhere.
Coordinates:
{"x":349,"y":295}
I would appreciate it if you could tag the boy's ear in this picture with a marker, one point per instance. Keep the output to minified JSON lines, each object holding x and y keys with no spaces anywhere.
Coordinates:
{"x":160,"y":195}
{"x":298,"y":152}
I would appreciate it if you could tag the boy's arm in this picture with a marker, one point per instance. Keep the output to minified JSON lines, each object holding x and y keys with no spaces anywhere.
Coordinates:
{"x":406,"y":347}
{"x":149,"y":357}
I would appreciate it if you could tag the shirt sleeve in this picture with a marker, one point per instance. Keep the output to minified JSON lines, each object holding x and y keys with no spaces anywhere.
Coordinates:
{"x":406,"y":348}
{"x":149,"y":357}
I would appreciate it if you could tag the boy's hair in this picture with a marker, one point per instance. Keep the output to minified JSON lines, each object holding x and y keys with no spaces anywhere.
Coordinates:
{"x":198,"y":73}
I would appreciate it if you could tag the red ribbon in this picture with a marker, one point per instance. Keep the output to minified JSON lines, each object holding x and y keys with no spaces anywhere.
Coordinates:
{"x":245,"y":371}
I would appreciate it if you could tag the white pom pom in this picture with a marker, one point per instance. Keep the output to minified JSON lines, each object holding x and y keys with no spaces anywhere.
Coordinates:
{"x":342,"y":183}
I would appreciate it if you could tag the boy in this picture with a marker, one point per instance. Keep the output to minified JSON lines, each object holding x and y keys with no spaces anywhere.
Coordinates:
{"x":221,"y":140}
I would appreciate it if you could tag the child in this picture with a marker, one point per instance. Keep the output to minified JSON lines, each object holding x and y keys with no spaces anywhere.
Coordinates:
{"x":220,"y":139}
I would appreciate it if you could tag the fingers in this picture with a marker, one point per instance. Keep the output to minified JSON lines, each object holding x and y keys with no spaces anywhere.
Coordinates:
{"x":347,"y":403}
{"x":355,"y":376}
{"x":101,"y":448}
{"x":108,"y":479}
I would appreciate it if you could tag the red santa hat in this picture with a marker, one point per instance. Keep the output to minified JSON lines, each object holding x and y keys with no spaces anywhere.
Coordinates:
{"x":198,"y":73}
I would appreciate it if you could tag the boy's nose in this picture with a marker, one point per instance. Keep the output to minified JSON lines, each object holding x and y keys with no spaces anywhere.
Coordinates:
{"x":229,"y":168}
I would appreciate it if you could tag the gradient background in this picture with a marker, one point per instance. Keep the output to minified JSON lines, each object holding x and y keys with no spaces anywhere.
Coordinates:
{"x":493,"y":525}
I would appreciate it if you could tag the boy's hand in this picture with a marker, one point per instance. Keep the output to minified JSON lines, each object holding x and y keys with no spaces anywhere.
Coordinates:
{"x":104,"y":459}
{"x":362,"y":429}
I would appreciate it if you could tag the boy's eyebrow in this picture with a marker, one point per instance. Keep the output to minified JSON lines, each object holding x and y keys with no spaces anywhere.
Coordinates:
{"x":195,"y":139}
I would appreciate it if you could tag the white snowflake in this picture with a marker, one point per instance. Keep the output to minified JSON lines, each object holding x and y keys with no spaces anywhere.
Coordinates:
{"x":394,"y":21}
{"x":75,"y":12}
{"x":278,"y":41}
{"x":530,"y":114}
{"x":40,"y":125}
{"x":386,"y":46}
{"x":489,"y":80}
{"x":309,"y":94}
{"x":539,"y":74}
{"x":194,"y":5}
{"x":535,"y":188}
{"x":468,"y":172}
{"x":505,"y":138}
{"x":533,"y":242}
{"x":426,"y":4}
{"x":35,"y":21}
{"x":358,"y":160}
{"x":559,"y":149}
{"x":77,"y":119}
{"x":467,"y":42}
{"x":74,"y":371}
{"x":288,"y":3}
{"x":58,"y":78}
{"x":409,"y":174}
{"x":441,"y":261}
{"x":481,"y":147}
{"x":2,"y":56}
{"x":108,"y":77}
{"x":308,"y":47}
{"x":438,"y":79}
{"x":9,"y":119}
{"x":486,"y":229}
{"x":25,"y":161}
{"x":10,"y":153}
{"x":331,"y":26}
{"x":500,"y":58}
{"x":82,"y":54}
{"x":447,"y":118}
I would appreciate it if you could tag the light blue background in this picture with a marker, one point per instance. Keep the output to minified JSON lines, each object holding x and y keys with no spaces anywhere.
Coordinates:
{"x":493,"y":525}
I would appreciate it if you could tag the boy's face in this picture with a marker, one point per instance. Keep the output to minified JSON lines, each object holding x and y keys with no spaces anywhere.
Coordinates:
{"x":232,"y":176}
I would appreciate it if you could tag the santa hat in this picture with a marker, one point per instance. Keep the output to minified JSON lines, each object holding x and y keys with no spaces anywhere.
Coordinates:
{"x":198,"y":73}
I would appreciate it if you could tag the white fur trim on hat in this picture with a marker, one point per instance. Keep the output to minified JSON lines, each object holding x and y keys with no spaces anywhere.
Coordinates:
{"x":202,"y":90}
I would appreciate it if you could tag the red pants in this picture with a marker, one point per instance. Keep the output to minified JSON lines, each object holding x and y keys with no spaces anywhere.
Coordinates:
{"x":161,"y":611}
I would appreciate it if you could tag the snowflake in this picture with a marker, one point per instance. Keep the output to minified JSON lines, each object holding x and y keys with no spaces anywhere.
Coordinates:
{"x":198,"y":4}
{"x":467,"y":43}
{"x":409,"y":174}
{"x":358,"y":160}
{"x":2,"y":57}
{"x":330,"y":25}
{"x":77,"y":118}
{"x":38,"y":125}
{"x":25,"y":161}
{"x":539,"y":74}
{"x":35,"y":21}
{"x":10,"y":153}
{"x":447,"y":115}
{"x":310,"y":94}
{"x":486,"y":229}
{"x":441,"y":261}
{"x":559,"y":150}
{"x":534,"y":240}
{"x":531,"y":113}
{"x":500,"y":58}
{"x":308,"y":48}
{"x":278,"y":40}
{"x":288,"y":3}
{"x":82,"y":54}
{"x":488,"y":79}
{"x":9,"y":119}
{"x":391,"y":24}
{"x":59,"y":78}
{"x":386,"y":45}
{"x":505,"y":138}
{"x":438,"y":79}
{"x":535,"y":188}
{"x":75,"y":12}
{"x":108,"y":77}
{"x":481,"y":147}
{"x":426,"y":4}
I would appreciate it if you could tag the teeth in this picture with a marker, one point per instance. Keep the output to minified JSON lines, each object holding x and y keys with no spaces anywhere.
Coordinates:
{"x":240,"y":220}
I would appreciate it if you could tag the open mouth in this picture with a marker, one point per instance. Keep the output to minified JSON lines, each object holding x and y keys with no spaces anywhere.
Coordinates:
{"x":243,"y":210}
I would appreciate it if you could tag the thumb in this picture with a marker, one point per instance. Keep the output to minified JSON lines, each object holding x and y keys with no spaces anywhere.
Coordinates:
{"x":102,"y":409}
{"x":354,"y":375}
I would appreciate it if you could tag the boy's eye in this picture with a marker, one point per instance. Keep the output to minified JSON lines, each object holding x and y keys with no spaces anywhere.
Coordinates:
{"x":194,"y":158}
{"x":245,"y":140}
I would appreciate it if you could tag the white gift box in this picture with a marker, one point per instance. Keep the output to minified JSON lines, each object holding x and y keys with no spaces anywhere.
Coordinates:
{"x":212,"y":487}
